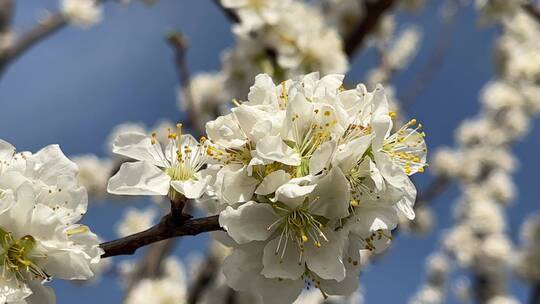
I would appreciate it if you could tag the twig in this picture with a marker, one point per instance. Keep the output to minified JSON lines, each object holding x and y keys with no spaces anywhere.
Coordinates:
{"x":166,"y":229}
{"x":535,"y":294}
{"x":6,"y":13}
{"x":434,"y":63}
{"x":204,"y":278}
{"x":374,"y":10}
{"x":532,"y":10}
{"x":179,"y":43}
{"x":45,"y":28}
{"x":229,"y":13}
{"x":435,"y":188}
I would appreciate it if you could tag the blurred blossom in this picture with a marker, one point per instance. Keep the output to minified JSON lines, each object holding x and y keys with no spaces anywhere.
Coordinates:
{"x":135,"y":221}
{"x":83,"y":13}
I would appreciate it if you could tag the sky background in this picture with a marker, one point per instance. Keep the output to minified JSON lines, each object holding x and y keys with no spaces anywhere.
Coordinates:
{"x":73,"y":88}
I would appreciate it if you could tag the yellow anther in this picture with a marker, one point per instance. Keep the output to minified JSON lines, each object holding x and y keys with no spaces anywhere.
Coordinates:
{"x":355,"y":203}
{"x":392,"y":114}
{"x":153,"y":140}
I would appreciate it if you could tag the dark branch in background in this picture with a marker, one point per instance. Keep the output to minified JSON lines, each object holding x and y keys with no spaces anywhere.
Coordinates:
{"x":179,"y":44}
{"x":6,"y":13}
{"x":532,"y":10}
{"x":167,"y":228}
{"x":435,"y":188}
{"x":45,"y":28}
{"x":535,"y":294}
{"x":373,"y":12}
{"x":433,"y":65}
{"x":204,"y":278}
{"x":229,"y":13}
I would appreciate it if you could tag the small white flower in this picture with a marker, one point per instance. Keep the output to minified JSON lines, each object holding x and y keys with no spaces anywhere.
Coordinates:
{"x":158,"y":171}
{"x":83,"y":13}
{"x":135,"y":221}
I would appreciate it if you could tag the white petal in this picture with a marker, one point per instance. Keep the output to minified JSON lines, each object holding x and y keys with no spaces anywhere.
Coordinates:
{"x":50,"y":162}
{"x":293,"y":193}
{"x":275,"y":291}
{"x":139,"y":178}
{"x":6,"y":151}
{"x":331,"y":196}
{"x":237,"y":186}
{"x":243,"y":266}
{"x":326,"y":261}
{"x":321,"y":157}
{"x":272,"y":181}
{"x":139,"y":146}
{"x":272,"y":148}
{"x":191,"y":189}
{"x":290,"y":267}
{"x":250,"y":222}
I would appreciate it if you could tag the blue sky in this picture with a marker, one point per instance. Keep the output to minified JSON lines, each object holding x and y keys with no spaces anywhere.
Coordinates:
{"x":78,"y":84}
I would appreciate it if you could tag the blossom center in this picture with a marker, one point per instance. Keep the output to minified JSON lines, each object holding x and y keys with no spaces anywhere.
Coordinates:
{"x":15,"y":257}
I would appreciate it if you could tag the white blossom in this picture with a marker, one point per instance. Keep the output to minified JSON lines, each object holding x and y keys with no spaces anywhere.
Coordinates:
{"x":40,"y":205}
{"x":135,"y":221}
{"x":83,"y":13}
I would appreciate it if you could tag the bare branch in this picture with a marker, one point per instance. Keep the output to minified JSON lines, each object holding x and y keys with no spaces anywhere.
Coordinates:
{"x":6,"y":14}
{"x":435,"y":188}
{"x":168,"y":228}
{"x":179,"y":43}
{"x":532,"y":10}
{"x":433,"y":65}
{"x":204,"y":278}
{"x":229,"y":13}
{"x":373,"y":12}
{"x":535,"y":294}
{"x":45,"y":28}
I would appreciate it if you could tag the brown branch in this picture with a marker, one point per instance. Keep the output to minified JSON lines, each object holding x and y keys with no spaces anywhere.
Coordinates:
{"x":203,"y":280}
{"x":435,"y":188}
{"x":373,"y":12}
{"x":6,"y":14}
{"x":532,"y":10}
{"x":45,"y":28}
{"x":434,"y":63}
{"x":535,"y":294}
{"x":179,"y":44}
{"x":167,"y":228}
{"x":229,"y":13}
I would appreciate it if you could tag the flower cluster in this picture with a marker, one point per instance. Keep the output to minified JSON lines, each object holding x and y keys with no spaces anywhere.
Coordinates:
{"x":482,"y":163}
{"x":83,"y":13}
{"x":527,"y":263}
{"x":41,"y":203}
{"x":270,"y":39}
{"x":304,"y":174}
{"x":312,"y":174}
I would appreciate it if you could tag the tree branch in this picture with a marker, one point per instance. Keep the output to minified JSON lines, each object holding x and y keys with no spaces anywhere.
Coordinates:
{"x":6,"y":13}
{"x":204,"y":278}
{"x":373,"y":12}
{"x":435,"y":188}
{"x":167,"y":228}
{"x":532,"y":10}
{"x":179,"y":44}
{"x":45,"y":28}
{"x":434,"y":63}
{"x":535,"y":294}
{"x":229,"y":13}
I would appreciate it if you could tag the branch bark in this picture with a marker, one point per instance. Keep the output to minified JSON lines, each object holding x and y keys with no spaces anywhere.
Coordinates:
{"x":167,"y":228}
{"x":532,"y":10}
{"x":374,"y":10}
{"x":229,"y":13}
{"x":203,"y":280}
{"x":44,"y":29}
{"x":535,"y":294}
{"x":6,"y":14}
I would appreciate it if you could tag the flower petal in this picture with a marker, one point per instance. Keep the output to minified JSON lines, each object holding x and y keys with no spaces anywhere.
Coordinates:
{"x":283,"y":262}
{"x":331,"y":197}
{"x":272,"y":181}
{"x":139,"y":146}
{"x":250,"y":222}
{"x":139,"y":178}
